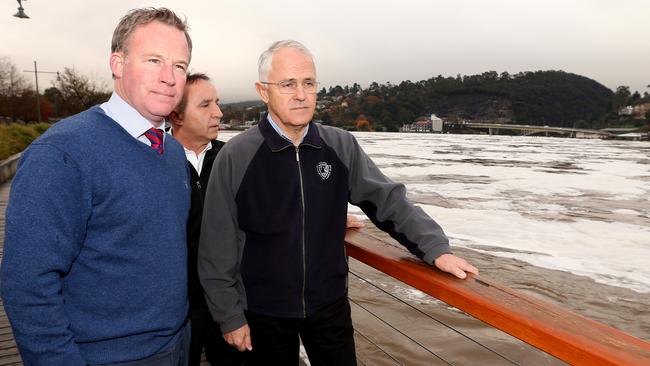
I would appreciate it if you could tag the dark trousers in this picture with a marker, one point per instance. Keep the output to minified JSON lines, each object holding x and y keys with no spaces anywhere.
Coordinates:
{"x":327,"y":335}
{"x":207,"y":335}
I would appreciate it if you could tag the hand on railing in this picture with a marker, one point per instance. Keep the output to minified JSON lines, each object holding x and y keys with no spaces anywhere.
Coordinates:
{"x":353,"y":222}
{"x":455,"y":265}
{"x":573,"y":338}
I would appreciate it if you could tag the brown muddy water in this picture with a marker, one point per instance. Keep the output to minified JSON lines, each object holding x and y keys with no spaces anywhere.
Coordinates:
{"x":565,"y":220}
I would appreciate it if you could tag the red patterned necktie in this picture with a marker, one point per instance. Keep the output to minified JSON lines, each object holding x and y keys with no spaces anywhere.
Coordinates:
{"x":156,"y":137}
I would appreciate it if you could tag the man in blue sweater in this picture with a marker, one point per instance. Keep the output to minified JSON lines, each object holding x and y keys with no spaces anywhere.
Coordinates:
{"x":94,"y":267}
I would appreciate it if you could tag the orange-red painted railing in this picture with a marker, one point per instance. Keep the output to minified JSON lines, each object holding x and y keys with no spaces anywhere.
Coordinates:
{"x":568,"y":336}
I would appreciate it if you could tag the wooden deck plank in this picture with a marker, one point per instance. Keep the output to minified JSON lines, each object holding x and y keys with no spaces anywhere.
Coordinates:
{"x":369,"y":353}
{"x":392,"y":343}
{"x":10,"y":359}
{"x":447,"y":331}
{"x":9,"y":354}
{"x":435,"y":339}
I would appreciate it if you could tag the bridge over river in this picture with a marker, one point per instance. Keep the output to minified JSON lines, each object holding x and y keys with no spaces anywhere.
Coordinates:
{"x":528,"y":130}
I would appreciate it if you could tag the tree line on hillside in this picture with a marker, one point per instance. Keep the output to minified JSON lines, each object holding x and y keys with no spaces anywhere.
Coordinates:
{"x":553,"y":98}
{"x":69,"y":94}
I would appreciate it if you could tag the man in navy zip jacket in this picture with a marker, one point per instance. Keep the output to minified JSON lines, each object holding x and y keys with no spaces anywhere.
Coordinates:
{"x":94,"y":267}
{"x":271,"y":257}
{"x":195,"y":124}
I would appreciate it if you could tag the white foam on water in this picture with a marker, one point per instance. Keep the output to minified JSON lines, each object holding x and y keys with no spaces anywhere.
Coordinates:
{"x":609,"y":252}
{"x":505,"y":191}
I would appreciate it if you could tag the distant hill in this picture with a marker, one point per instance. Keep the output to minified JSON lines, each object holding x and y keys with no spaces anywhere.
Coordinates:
{"x":244,"y":104}
{"x":554,"y":98}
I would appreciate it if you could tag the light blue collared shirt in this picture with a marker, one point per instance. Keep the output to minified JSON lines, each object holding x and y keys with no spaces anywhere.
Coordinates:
{"x":130,"y":119}
{"x":281,"y":133}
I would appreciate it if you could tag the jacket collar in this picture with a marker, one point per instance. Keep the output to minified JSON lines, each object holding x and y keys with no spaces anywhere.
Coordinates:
{"x":275,"y":142}
{"x":214,"y":149}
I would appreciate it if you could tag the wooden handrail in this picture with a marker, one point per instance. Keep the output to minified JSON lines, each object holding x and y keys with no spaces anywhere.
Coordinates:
{"x":568,"y":336}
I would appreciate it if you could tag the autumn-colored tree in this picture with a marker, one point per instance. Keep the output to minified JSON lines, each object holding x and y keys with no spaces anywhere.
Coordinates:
{"x":53,"y":95}
{"x":362,"y":123}
{"x":372,"y":99}
{"x":25,"y":107}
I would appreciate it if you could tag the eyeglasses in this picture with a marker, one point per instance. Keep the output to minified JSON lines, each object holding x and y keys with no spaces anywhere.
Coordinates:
{"x":291,"y":86}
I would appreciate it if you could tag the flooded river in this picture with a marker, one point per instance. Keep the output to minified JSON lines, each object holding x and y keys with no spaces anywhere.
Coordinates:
{"x":566,"y":219}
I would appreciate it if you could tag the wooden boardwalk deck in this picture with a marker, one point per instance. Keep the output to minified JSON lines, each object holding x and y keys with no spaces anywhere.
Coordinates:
{"x":396,"y":324}
{"x":8,"y":351}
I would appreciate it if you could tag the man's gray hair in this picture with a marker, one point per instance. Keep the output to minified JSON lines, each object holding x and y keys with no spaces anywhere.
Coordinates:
{"x":266,"y":58}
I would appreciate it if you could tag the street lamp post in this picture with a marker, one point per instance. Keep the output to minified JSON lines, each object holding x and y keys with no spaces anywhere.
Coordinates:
{"x":21,"y":11}
{"x":38,"y":100}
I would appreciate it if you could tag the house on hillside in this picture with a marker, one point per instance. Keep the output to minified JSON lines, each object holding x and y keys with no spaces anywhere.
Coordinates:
{"x":432,"y":124}
{"x":637,"y":111}
{"x":626,"y":111}
{"x":640,"y":110}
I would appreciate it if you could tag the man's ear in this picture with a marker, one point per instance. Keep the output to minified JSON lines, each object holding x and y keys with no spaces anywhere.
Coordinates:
{"x":117,"y":61}
{"x":262,"y":91}
{"x":175,"y":118}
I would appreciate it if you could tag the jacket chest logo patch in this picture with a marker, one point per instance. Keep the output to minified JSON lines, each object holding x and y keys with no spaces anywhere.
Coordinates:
{"x":324,"y":170}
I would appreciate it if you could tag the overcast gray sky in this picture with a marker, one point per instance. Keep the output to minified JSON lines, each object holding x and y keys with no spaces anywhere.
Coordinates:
{"x":355,"y":40}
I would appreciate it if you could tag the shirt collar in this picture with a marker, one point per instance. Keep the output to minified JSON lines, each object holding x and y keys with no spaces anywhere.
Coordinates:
{"x":189,"y":152}
{"x":276,"y":142}
{"x":126,"y":116}
{"x":281,"y":133}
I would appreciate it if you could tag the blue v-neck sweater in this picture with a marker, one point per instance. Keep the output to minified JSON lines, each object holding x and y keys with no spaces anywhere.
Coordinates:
{"x":94,"y":268}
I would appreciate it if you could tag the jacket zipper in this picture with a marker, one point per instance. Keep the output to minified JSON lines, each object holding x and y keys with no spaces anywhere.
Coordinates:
{"x":304,"y":265}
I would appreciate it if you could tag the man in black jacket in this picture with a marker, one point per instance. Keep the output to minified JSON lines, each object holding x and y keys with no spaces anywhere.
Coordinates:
{"x":272,"y":258}
{"x":195,"y":124}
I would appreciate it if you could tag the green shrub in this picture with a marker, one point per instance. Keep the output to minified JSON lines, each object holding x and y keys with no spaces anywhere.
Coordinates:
{"x":40,"y":128}
{"x":15,"y":137}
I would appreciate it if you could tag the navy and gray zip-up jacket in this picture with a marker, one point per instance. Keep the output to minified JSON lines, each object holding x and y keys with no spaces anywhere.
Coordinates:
{"x":272,"y":237}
